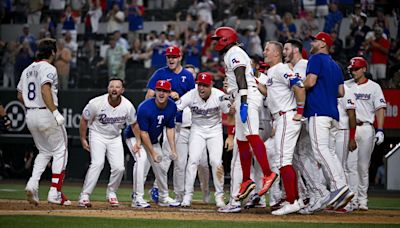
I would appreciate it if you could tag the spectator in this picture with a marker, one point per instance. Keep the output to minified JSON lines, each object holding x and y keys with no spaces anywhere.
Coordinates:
{"x":336,"y":49}
{"x":6,"y":11}
{"x":121,"y":41}
{"x":192,"y":52}
{"x":138,"y":54}
{"x":7,"y":63}
{"x":204,"y":10}
{"x":78,"y":5}
{"x":271,"y":21}
{"x":368,"y":6}
{"x":158,"y":59}
{"x":356,"y":16}
{"x":50,"y":25}
{"x":333,"y":20}
{"x":27,"y":36}
{"x":254,"y":46}
{"x":34,"y":11}
{"x":20,"y":11}
{"x":56,"y":8}
{"x":115,"y":19}
{"x":382,"y":21}
{"x":24,"y":58}
{"x":379,"y":49}
{"x":73,"y":47}
{"x":135,"y":18}
{"x":229,"y":20}
{"x":358,"y":34}
{"x":308,"y":26}
{"x":260,"y":31}
{"x":309,"y":5}
{"x":62,"y":64}
{"x":92,"y":19}
{"x":287,"y":29}
{"x":69,"y":22}
{"x":116,"y":57}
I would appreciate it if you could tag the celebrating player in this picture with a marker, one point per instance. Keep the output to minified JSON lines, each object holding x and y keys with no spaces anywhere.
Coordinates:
{"x":106,"y":116}
{"x":37,"y":89}
{"x":153,"y":115}
{"x":369,"y":101}
{"x":248,"y":100}
{"x":282,"y":87}
{"x":324,"y":83}
{"x":206,"y":104}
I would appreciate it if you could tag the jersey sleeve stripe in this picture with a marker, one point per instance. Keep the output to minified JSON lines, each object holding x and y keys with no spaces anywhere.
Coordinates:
{"x":47,"y":81}
{"x":382,"y":106}
{"x":233,"y":68}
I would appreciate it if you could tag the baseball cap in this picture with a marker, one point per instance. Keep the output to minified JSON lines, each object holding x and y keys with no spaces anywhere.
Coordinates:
{"x":163,"y":84}
{"x":323,"y":36}
{"x":205,"y":78}
{"x":173,"y":51}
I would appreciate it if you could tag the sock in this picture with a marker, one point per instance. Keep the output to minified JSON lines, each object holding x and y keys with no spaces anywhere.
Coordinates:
{"x":289,"y":180}
{"x":57,"y":180}
{"x":245,"y":158}
{"x":260,"y":152}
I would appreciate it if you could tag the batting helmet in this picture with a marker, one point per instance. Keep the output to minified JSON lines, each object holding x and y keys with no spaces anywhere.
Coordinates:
{"x":357,"y":63}
{"x":224,"y":36}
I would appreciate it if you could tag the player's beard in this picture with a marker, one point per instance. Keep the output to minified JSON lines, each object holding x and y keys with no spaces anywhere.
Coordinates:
{"x":289,"y":57}
{"x":313,"y":50}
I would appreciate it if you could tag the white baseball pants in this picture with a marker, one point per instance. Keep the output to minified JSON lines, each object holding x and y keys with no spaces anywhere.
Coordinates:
{"x":51,"y":141}
{"x":101,"y":147}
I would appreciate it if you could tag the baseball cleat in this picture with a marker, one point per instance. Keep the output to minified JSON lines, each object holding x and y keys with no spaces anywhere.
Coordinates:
{"x":60,"y":199}
{"x":363,"y":207}
{"x":84,"y":203}
{"x":252,"y":201}
{"x":168,"y":202}
{"x":334,"y":196}
{"x":32,"y":196}
{"x":344,"y":200}
{"x":113,"y":202}
{"x":288,"y":209}
{"x":267,"y":183}
{"x":229,"y":208}
{"x":140,"y":203}
{"x":219,"y":201}
{"x":245,"y":189}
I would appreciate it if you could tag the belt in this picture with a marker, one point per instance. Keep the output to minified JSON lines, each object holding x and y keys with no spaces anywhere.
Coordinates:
{"x":187,"y":128}
{"x":280,"y":113}
{"x":36,"y":108}
{"x":363,"y":123}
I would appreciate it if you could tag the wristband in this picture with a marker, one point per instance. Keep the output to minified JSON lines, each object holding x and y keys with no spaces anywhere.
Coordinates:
{"x":243,"y":92}
{"x":352,"y":133}
{"x":231,"y":129}
{"x":379,"y":130}
{"x":300,"y":109}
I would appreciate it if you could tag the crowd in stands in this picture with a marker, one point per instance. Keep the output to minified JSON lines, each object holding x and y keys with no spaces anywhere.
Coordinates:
{"x":88,"y":59}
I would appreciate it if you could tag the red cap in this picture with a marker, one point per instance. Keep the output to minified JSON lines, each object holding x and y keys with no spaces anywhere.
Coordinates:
{"x":324,"y":37}
{"x":357,"y":63}
{"x":173,"y":51}
{"x":163,"y":84}
{"x":205,"y":78}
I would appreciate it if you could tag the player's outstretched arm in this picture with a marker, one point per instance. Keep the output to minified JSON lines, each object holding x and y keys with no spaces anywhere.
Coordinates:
{"x":83,"y":132}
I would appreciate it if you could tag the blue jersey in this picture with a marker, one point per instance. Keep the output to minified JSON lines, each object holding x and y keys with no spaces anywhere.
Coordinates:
{"x":158,"y":57}
{"x":181,"y":82}
{"x":153,"y":119}
{"x":321,"y":100}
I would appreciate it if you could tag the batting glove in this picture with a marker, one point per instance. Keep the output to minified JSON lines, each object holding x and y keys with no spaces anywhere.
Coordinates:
{"x":59,"y":118}
{"x":379,"y":136}
{"x":243,"y":112}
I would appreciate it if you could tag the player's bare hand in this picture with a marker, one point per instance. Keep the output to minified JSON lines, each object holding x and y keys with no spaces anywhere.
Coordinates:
{"x":136,"y":148}
{"x":173,"y":156}
{"x":297,"y":117}
{"x":156,"y":157}
{"x":352,"y":145}
{"x":232,"y":110}
{"x":85,"y":145}
{"x":229,"y":143}
{"x":174,"y":95}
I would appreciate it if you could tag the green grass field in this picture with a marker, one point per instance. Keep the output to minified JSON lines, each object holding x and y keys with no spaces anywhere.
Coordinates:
{"x":16,"y":191}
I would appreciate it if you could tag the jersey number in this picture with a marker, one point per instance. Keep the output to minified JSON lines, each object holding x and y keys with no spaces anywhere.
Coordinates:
{"x":31,"y":91}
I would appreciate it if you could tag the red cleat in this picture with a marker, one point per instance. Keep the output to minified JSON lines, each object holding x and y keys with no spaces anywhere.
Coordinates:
{"x":267,"y":182}
{"x":245,"y":189}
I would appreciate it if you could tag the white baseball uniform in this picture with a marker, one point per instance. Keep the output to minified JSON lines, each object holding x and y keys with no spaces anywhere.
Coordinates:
{"x":282,"y":103}
{"x":236,"y":57}
{"x":368,"y":99}
{"x":206,"y":133}
{"x":50,"y":139}
{"x":105,"y":125}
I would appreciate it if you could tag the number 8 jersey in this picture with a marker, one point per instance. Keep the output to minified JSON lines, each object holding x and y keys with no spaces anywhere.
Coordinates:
{"x":32,"y":79}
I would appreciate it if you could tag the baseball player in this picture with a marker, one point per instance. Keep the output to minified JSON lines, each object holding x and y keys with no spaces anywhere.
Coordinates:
{"x":106,"y":116}
{"x":206,"y":104}
{"x":324,"y":83}
{"x":369,"y":100}
{"x":345,"y":142}
{"x":248,"y":101}
{"x":283,"y":86}
{"x":37,"y":90}
{"x":303,"y":160}
{"x":153,"y":115}
{"x":181,"y":82}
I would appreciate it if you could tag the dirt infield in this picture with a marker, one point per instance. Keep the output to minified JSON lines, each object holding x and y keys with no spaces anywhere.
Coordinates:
{"x":198,"y":211}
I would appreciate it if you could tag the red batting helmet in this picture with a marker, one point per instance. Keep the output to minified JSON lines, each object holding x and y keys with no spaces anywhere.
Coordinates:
{"x":224,"y":37}
{"x":357,"y":63}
